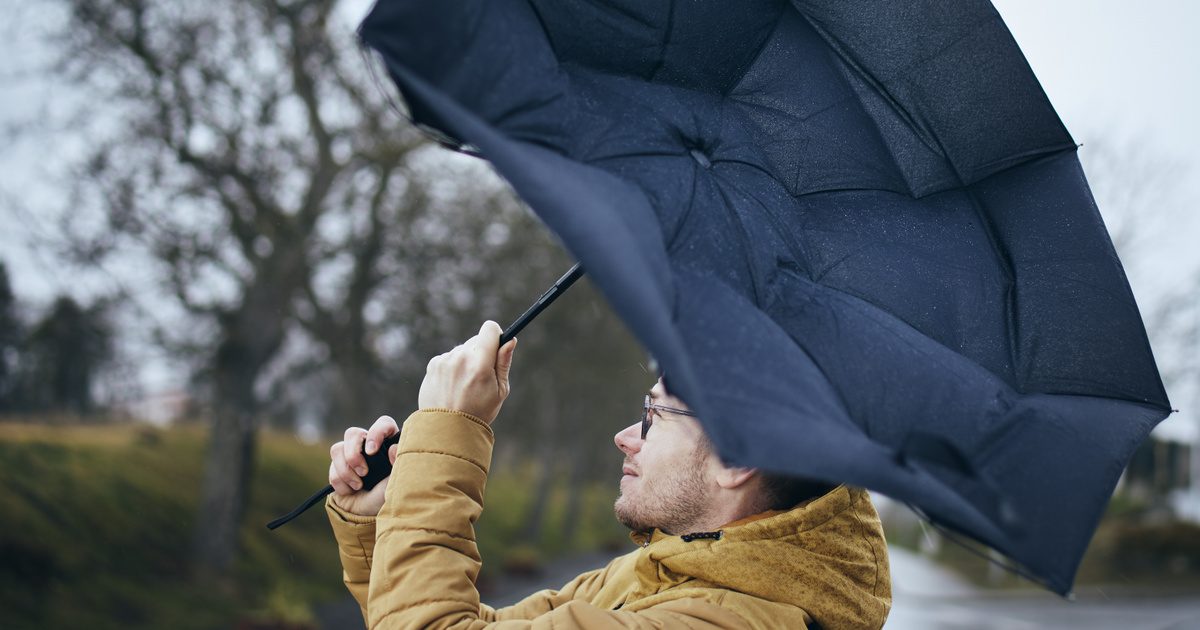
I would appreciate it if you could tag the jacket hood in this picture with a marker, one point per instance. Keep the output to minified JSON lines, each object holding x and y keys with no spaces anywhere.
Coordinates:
{"x":827,"y":557}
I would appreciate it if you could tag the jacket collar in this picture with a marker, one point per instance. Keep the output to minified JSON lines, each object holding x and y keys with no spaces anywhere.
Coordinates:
{"x":832,"y":546}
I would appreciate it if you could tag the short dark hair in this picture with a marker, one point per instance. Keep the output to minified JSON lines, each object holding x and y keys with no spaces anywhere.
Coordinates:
{"x":784,"y":492}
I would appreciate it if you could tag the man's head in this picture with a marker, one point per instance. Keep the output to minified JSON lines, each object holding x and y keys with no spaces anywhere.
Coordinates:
{"x":673,"y":479}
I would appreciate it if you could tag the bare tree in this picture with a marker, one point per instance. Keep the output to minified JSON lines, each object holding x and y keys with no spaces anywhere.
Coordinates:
{"x":244,"y":153}
{"x":238,"y":137}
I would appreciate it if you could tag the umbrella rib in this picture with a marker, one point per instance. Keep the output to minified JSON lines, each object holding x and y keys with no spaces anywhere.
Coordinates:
{"x":797,"y":249}
{"x":744,"y":236}
{"x":687,"y":212}
{"x":668,"y":31}
{"x":753,"y":59}
{"x":1012,"y":327}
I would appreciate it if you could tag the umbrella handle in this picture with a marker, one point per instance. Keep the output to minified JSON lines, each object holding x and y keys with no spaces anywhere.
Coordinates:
{"x":378,"y":468}
{"x":378,"y":465}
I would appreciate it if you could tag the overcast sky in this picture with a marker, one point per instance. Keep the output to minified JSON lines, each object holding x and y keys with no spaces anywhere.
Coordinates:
{"x":1114,"y":70}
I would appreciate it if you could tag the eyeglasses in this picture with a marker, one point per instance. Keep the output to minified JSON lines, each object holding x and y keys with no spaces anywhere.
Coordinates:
{"x":647,"y":420}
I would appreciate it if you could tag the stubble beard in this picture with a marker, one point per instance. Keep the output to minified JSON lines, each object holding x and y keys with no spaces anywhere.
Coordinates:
{"x":672,"y":503}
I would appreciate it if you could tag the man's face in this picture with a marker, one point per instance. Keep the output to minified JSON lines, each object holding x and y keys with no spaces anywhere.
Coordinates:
{"x":666,"y":481}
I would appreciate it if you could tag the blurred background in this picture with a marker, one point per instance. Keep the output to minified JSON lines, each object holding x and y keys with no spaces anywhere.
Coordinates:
{"x":220,"y":245}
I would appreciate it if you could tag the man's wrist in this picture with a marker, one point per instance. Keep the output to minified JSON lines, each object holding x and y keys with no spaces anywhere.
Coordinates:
{"x":335,"y":502}
{"x":346,"y":515}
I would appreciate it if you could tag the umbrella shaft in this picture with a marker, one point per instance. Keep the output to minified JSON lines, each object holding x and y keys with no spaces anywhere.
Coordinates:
{"x":547,"y":298}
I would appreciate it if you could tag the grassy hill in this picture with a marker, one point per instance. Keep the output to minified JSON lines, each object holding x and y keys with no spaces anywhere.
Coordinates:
{"x":96,"y":525}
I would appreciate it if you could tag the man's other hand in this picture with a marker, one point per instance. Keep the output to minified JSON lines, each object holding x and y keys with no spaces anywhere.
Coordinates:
{"x":348,"y":466}
{"x":472,"y":378}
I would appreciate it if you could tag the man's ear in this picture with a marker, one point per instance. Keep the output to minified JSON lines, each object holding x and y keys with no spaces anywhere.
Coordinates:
{"x":730,"y":477}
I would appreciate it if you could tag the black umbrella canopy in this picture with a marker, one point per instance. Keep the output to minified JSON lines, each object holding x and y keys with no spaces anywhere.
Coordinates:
{"x":856,"y":236}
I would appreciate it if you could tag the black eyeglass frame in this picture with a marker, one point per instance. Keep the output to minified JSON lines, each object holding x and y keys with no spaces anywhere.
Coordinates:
{"x":647,"y":420}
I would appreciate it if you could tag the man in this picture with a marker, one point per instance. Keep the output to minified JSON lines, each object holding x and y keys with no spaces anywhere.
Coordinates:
{"x":712,"y":553}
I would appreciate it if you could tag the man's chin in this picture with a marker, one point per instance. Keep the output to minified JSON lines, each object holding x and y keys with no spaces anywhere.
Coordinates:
{"x":628,"y":516}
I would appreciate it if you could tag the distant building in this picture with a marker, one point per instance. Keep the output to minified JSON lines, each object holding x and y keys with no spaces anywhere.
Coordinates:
{"x":1160,"y":474}
{"x":162,"y":408}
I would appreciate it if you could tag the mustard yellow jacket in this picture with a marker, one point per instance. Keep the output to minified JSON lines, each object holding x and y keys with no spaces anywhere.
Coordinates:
{"x":415,"y":565}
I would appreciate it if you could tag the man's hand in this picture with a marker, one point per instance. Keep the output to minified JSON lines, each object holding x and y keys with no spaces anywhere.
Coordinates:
{"x":348,"y":466}
{"x":472,"y":378}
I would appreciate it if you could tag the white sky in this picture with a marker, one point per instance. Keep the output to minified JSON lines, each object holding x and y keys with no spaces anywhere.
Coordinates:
{"x":1112,"y":69}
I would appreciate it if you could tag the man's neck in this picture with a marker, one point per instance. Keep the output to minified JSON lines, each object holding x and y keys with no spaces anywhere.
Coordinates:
{"x":722,"y":515}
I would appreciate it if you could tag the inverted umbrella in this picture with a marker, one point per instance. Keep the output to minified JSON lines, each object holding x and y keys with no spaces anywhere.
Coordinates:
{"x":855,"y":236}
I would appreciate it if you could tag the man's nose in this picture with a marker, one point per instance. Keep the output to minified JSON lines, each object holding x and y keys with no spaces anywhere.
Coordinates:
{"x":629,"y":439}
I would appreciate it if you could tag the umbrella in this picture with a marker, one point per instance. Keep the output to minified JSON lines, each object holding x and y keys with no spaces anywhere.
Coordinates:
{"x":855,"y":236}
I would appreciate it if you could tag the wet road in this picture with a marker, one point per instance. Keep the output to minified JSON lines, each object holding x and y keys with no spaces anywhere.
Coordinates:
{"x":929,"y":597}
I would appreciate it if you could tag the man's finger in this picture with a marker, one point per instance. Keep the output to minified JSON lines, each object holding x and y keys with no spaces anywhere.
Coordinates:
{"x":383,"y":428}
{"x":352,"y":450}
{"x":488,"y":342}
{"x":335,"y":480}
{"x":342,"y":478}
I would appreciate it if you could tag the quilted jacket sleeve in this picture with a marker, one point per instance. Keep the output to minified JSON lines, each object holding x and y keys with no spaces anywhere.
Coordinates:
{"x":426,"y":560}
{"x":355,"y":536}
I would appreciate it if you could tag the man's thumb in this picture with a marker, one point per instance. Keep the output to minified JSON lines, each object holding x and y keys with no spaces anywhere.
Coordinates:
{"x":504,"y":360}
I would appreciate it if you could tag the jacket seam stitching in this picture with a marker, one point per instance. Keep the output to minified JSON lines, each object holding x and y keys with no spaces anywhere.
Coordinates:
{"x":426,"y":530}
{"x":874,"y":555}
{"x":366,"y":556}
{"x":472,"y":418}
{"x":417,"y":604}
{"x":446,"y":453}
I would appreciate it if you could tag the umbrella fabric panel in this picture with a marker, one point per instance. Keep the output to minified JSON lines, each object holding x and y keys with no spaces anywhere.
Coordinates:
{"x":491,"y":55}
{"x":952,"y":72}
{"x":823,"y":127}
{"x":888,"y":249}
{"x":1077,"y":328}
{"x":673,"y":43}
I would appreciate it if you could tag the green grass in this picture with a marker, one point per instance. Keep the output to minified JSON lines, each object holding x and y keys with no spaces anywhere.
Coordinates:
{"x":96,"y":524}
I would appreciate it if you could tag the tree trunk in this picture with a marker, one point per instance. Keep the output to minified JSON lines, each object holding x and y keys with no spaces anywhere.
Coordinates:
{"x":228,"y":470}
{"x":251,"y":338}
{"x":575,"y":492}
